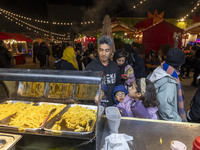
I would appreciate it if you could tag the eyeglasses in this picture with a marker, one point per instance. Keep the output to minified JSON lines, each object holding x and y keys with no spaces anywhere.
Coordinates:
{"x":120,"y":93}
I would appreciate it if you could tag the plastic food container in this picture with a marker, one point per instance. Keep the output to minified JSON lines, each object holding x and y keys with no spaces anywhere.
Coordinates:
{"x":177,"y":145}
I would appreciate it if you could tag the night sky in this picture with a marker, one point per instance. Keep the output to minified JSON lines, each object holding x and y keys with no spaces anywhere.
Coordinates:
{"x":83,"y":10}
{"x":38,"y":8}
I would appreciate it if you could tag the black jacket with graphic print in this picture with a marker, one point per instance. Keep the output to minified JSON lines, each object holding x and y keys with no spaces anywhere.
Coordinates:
{"x":111,"y":75}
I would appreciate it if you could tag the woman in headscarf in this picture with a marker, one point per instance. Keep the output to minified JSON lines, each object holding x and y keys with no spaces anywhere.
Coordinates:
{"x":68,"y":60}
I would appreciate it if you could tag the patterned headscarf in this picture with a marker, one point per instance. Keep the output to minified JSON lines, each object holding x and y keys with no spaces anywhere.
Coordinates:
{"x":174,"y":73}
{"x":69,"y":55}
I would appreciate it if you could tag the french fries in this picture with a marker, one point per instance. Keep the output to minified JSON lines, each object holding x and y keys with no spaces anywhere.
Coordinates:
{"x":77,"y":118}
{"x":33,"y":116}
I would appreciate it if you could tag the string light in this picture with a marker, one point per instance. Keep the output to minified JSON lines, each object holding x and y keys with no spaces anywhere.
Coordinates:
{"x":22,"y":23}
{"x":133,"y":7}
{"x":191,"y":11}
{"x":40,"y":21}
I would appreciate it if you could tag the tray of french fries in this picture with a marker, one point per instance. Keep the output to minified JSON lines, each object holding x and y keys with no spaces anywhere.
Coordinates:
{"x":31,"y":89}
{"x":76,"y":119}
{"x":59,"y":90}
{"x":27,"y":116}
{"x":86,"y":91}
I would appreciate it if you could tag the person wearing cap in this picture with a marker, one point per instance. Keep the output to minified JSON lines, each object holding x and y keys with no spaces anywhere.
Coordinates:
{"x":111,"y":71}
{"x":168,"y":86}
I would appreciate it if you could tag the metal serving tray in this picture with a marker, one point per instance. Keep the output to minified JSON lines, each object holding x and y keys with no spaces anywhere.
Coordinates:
{"x":5,"y":122}
{"x":59,"y":90}
{"x":7,"y":119}
{"x":64,"y":130}
{"x":31,"y":89}
{"x":10,"y":140}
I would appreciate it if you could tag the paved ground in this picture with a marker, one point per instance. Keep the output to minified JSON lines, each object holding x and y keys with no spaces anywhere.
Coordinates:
{"x":189,"y":90}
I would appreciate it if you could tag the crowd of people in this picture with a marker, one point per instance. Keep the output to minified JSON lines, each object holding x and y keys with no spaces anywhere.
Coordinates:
{"x":126,"y":84}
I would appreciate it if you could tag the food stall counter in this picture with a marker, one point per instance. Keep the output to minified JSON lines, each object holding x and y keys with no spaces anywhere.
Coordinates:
{"x":150,"y":135}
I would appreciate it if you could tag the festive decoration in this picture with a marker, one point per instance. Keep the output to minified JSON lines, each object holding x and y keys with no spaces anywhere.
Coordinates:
{"x":45,"y":21}
{"x":133,"y":7}
{"x":31,"y":27}
{"x":156,"y":17}
{"x":192,"y":11}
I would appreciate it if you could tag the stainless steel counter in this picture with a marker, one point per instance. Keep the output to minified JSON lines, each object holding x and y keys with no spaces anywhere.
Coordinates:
{"x":151,"y":135}
{"x":147,"y":134}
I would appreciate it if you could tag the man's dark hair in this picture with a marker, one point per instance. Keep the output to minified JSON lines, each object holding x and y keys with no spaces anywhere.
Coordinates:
{"x":105,"y":39}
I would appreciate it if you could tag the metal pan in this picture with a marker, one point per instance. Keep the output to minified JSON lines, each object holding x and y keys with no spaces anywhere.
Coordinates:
{"x":7,"y":119}
{"x":59,"y":90}
{"x":5,"y":122}
{"x":66,"y":131}
{"x":31,"y":89}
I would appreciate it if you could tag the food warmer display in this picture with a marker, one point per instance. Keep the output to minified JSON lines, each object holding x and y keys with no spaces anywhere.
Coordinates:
{"x":51,"y":108}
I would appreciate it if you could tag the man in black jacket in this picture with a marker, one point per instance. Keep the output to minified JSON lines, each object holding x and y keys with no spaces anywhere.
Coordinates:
{"x":193,"y":114}
{"x":43,"y":55}
{"x":103,"y":63}
{"x":5,"y":57}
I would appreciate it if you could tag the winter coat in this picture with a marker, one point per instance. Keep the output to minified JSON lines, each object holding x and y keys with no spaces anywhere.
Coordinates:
{"x":5,"y":57}
{"x":131,"y":108}
{"x":194,"y":112}
{"x":111,"y":75}
{"x":64,"y":65}
{"x":119,"y":88}
{"x":167,"y":93}
{"x":138,"y":66}
{"x":43,"y":52}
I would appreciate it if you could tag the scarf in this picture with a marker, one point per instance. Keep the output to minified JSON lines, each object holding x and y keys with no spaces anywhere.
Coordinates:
{"x":174,"y":73}
{"x":69,"y":56}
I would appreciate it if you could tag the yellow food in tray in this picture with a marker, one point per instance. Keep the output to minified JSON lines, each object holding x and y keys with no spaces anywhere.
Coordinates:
{"x":68,"y":90}
{"x":86,"y":91}
{"x":9,"y":109}
{"x":56,"y":90}
{"x":33,"y":89}
{"x":77,"y":118}
{"x":33,"y":116}
{"x":60,"y":90}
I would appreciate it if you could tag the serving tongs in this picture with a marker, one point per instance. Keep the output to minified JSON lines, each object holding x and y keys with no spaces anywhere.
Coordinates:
{"x":7,"y":119}
{"x":49,"y":115}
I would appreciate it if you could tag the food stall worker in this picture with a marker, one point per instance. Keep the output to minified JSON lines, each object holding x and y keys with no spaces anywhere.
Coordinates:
{"x":111,"y":71}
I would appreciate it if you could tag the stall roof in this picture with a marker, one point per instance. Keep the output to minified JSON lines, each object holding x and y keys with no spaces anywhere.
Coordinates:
{"x":19,"y":37}
{"x":120,"y":26}
{"x":4,"y":36}
{"x":194,"y":28}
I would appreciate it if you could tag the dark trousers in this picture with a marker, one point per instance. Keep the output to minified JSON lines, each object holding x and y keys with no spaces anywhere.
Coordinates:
{"x":196,"y":74}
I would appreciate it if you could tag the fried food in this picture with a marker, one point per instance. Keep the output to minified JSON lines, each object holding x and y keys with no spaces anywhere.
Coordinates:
{"x":33,"y":116}
{"x":33,"y":89}
{"x":77,"y":118}
{"x":60,"y":90}
{"x":9,"y":109}
{"x":86,"y":91}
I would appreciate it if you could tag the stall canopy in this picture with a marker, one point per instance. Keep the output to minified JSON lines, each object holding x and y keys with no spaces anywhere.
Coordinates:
{"x":4,"y":36}
{"x":19,"y":37}
{"x":193,"y":29}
